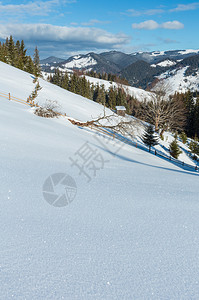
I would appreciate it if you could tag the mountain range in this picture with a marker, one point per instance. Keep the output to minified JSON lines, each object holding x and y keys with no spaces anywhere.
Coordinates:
{"x":140,"y":68}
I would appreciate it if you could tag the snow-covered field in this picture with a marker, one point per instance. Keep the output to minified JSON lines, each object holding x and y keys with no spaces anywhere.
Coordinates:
{"x":130,"y":233}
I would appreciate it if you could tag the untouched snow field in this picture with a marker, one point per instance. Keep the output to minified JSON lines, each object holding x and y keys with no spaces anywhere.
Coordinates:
{"x":130,"y":233}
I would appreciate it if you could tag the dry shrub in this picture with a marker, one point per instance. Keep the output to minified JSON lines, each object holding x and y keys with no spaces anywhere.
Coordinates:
{"x":50,"y":109}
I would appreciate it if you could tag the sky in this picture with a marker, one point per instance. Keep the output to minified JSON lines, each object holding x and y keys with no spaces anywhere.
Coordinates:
{"x":64,"y":28}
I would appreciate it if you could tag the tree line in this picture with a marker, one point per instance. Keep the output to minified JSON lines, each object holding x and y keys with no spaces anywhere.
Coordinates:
{"x":191,"y":108}
{"x":109,"y":77}
{"x":78,"y":84}
{"x":15,"y":54}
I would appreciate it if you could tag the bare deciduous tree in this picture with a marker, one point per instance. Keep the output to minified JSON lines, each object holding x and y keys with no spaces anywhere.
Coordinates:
{"x":163,"y":111}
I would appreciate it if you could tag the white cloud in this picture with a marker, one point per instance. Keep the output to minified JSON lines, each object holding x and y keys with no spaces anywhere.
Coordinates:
{"x":41,"y":8}
{"x":71,"y":37}
{"x":93,"y":22}
{"x":172,"y":25}
{"x":151,"y":25}
{"x":149,"y":12}
{"x":185,"y":7}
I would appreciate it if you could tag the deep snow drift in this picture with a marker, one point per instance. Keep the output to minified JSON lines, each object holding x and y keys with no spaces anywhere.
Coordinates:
{"x":130,"y":233}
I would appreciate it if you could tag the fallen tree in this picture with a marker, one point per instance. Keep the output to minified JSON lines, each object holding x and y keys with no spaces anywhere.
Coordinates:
{"x":113,"y":122}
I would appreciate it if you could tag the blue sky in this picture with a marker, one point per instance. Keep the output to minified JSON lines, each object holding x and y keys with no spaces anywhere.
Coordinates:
{"x":67,"y":27}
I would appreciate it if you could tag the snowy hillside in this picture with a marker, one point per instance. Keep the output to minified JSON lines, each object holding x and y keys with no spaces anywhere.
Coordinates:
{"x":164,"y":63}
{"x":137,"y":93}
{"x":178,"y":81}
{"x":80,"y":62}
{"x":73,"y":105}
{"x":131,"y":232}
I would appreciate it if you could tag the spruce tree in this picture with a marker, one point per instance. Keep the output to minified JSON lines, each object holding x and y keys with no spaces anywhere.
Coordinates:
{"x":121,"y":97}
{"x":24,"y":57}
{"x":183,"y":137}
{"x":101,"y":95}
{"x":12,"y":53}
{"x":194,"y":147}
{"x":36,"y":60}
{"x":189,"y":104}
{"x":112,"y":98}
{"x":65,"y":81}
{"x":73,"y":83}
{"x":15,"y":55}
{"x":149,"y":137}
{"x":174,"y":149}
{"x":3,"y":53}
{"x":30,"y":65}
{"x":85,"y":87}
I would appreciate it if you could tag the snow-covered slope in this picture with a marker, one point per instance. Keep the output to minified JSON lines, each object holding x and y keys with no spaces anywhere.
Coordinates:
{"x":130,"y":233}
{"x":81,"y":62}
{"x":164,"y":63}
{"x":73,"y":105}
{"x":137,"y":93}
{"x":178,"y":81}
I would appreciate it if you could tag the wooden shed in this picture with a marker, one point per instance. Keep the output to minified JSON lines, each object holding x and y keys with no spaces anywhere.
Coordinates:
{"x":121,"y":110}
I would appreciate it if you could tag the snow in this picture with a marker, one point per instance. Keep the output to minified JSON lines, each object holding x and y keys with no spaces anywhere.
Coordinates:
{"x":137,"y":93}
{"x":73,"y":105}
{"x":157,"y":53}
{"x":168,"y":138}
{"x":166,"y":63}
{"x":130,"y":233}
{"x":188,"y":51}
{"x":177,"y":81}
{"x":76,"y":56}
{"x":81,"y":62}
{"x":120,"y":107}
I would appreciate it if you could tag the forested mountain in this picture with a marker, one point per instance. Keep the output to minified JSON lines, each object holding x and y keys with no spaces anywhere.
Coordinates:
{"x":140,"y":68}
{"x":141,"y":74}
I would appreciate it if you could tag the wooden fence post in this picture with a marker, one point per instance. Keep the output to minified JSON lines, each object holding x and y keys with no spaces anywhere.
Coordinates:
{"x":9,"y":98}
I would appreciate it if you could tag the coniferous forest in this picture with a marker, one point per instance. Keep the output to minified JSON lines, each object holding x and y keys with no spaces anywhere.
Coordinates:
{"x":77,"y":83}
{"x":15,"y":54}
